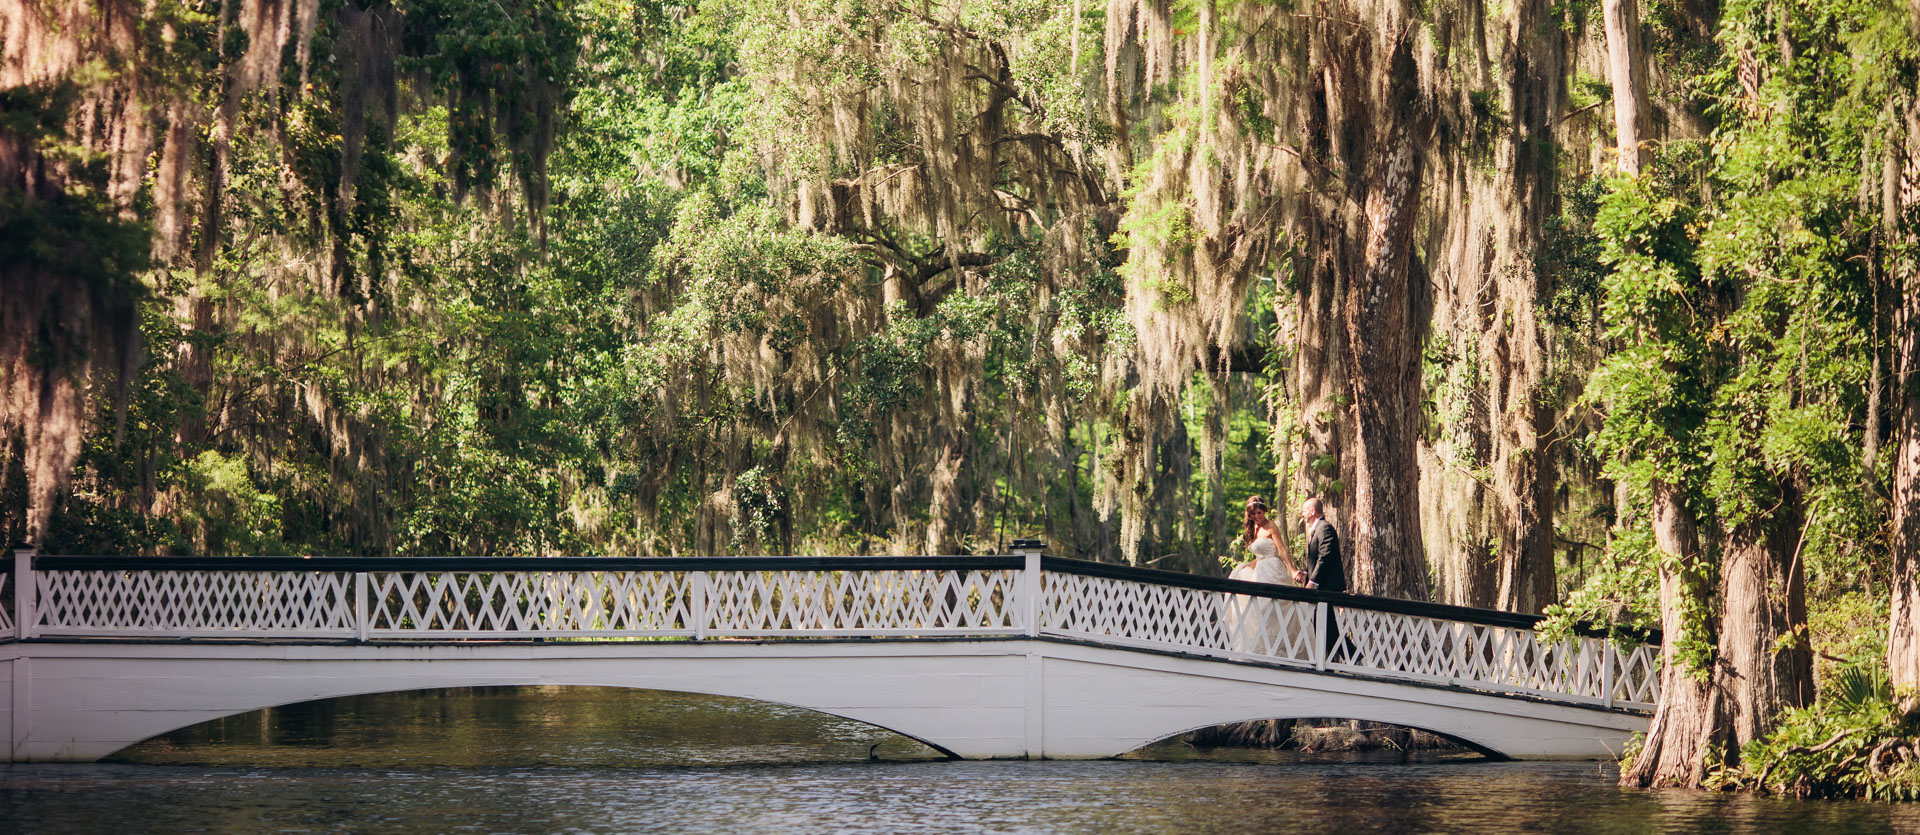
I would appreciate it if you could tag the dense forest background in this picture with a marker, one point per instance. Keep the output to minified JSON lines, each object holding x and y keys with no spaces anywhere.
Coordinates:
{"x":1595,"y":307}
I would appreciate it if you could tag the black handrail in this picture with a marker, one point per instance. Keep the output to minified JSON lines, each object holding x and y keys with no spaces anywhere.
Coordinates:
{"x":67,"y":563}
{"x":1488,"y":617}
{"x":1441,"y":611}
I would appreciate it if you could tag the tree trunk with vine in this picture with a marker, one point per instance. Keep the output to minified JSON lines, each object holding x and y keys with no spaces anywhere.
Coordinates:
{"x":1689,"y":719}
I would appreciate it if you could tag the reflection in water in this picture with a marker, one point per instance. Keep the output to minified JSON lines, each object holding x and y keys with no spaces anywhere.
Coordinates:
{"x":544,"y":760}
{"x":529,"y":726}
{"x":1175,"y":751}
{"x":861,"y":797}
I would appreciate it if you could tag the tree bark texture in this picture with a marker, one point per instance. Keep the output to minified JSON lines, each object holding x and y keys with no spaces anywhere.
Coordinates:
{"x":1689,"y":720}
{"x":1320,"y":367}
{"x":1515,"y":340}
{"x":1763,"y":643}
{"x":947,"y":515}
{"x":1388,"y":558}
{"x":1761,"y":660}
{"x":1626,"y":69}
{"x":1903,"y":631}
{"x":1221,"y":524}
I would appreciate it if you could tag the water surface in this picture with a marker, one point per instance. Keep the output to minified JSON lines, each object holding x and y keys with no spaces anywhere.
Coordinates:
{"x":585,"y":760}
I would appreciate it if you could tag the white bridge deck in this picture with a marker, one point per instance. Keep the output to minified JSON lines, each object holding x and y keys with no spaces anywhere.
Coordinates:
{"x":981,"y":657}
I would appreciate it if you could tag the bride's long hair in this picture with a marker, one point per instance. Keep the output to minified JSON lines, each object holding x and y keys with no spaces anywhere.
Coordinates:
{"x":1254,"y":503}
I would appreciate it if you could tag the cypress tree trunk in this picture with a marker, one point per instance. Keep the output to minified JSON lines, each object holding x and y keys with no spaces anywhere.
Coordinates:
{"x":1689,"y":718}
{"x":1757,"y":660}
{"x":1903,"y":632}
{"x":1388,"y":558}
{"x":948,"y":515}
{"x":1526,"y":541}
{"x":1320,"y":368}
{"x":1213,"y":457}
{"x":1626,"y":69}
{"x":1460,"y":510}
{"x":1525,"y":472}
{"x":1764,"y":608}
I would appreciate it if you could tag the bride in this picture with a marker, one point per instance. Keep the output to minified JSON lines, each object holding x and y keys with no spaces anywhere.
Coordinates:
{"x":1254,"y":622}
{"x":1271,"y":561}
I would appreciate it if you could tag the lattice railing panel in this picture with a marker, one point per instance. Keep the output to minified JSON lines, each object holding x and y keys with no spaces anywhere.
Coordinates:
{"x":190,"y":603}
{"x":775,"y":603}
{"x":529,"y":604}
{"x":1192,"y":620}
{"x":1485,"y":656}
{"x":6,"y":606}
{"x":1636,"y":676}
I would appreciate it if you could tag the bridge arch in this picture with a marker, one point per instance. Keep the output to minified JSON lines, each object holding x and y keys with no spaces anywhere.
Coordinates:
{"x":1469,"y":744}
{"x":394,"y":718}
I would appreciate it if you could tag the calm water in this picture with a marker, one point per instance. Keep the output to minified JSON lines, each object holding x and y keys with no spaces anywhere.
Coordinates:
{"x":584,"y":760}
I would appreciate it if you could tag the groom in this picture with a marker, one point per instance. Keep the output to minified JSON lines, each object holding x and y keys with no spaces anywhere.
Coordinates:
{"x":1324,"y":569}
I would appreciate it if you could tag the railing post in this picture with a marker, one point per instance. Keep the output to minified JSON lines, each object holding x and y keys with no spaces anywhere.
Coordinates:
{"x":1029,"y":585}
{"x":697,"y":588}
{"x":1462,"y":668}
{"x":362,"y":625}
{"x":23,"y":588}
{"x":1606,"y":671}
{"x":1320,"y":635}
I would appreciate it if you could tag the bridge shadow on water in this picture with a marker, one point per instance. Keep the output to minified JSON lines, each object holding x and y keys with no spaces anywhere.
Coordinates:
{"x":1274,"y":741}
{"x":553,"y":726}
{"x":599,"y":727}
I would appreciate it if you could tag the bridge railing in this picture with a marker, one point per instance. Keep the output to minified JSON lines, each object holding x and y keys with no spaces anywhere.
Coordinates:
{"x":457,"y":599}
{"x":513,"y":598}
{"x":6,"y":600}
{"x":1374,"y":636}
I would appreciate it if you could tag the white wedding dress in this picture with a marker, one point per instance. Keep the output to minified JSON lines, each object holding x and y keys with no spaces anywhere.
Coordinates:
{"x":1267,"y":567}
{"x":1254,"y":624}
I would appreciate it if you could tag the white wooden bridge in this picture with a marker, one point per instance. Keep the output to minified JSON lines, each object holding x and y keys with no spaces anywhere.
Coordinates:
{"x":979,"y":657}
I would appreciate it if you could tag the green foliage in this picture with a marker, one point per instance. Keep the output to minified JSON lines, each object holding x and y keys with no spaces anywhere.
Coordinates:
{"x":235,"y":515}
{"x":760,"y":505}
{"x":1569,"y":258}
{"x":1849,"y":628}
{"x":1855,"y":742}
{"x":1741,"y":301}
{"x":503,"y":71}
{"x":1620,"y":593}
{"x":1487,"y":121}
{"x":1167,"y":227}
{"x":73,"y":237}
{"x":1655,"y":390}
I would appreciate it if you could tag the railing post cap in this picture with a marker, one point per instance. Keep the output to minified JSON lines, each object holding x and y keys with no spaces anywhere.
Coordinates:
{"x":1029,"y":545}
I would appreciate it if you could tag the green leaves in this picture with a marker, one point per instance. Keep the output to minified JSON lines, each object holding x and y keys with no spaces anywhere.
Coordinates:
{"x":1620,"y":592}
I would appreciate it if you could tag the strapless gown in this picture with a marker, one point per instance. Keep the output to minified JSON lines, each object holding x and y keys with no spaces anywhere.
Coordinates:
{"x":1267,"y":567}
{"x":1256,"y":625}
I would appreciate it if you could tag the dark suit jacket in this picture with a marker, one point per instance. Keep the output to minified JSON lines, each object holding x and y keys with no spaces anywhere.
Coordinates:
{"x":1324,"y":567}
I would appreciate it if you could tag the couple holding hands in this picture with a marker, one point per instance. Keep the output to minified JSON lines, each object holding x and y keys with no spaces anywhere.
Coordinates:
{"x":1271,"y":560}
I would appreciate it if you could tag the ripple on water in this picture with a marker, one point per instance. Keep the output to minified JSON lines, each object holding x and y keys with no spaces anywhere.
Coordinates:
{"x":590,"y":760}
{"x":1107,"y":796}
